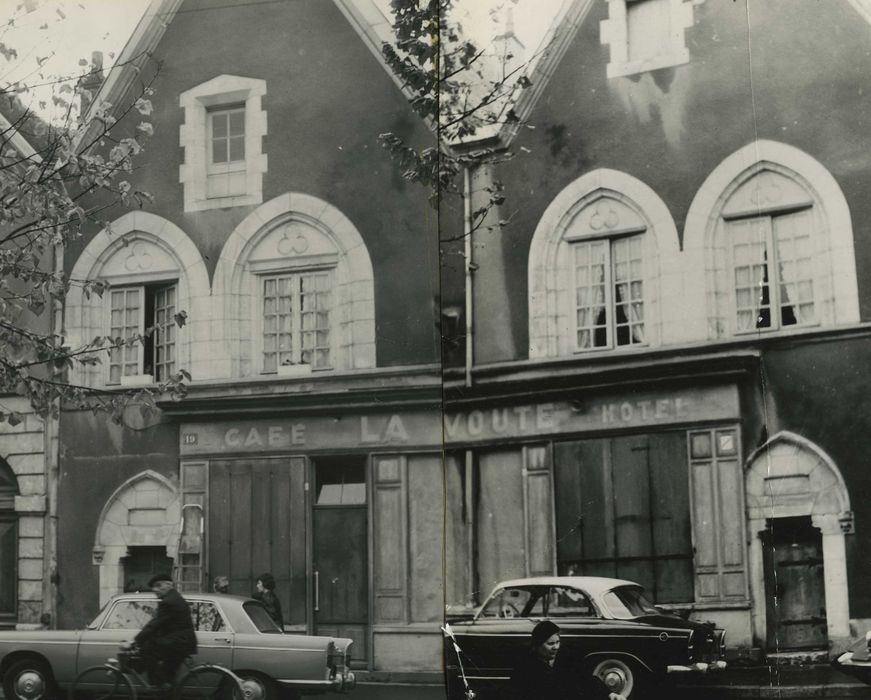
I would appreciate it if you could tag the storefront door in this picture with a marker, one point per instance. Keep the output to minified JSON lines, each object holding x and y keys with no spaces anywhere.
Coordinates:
{"x":795,"y":588}
{"x":340,"y":553}
{"x":257,"y":524}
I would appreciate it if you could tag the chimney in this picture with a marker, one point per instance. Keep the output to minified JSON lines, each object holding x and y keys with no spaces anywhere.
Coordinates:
{"x":90,"y":83}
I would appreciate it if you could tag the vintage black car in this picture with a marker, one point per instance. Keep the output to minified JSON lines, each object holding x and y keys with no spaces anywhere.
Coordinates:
{"x":608,"y":628}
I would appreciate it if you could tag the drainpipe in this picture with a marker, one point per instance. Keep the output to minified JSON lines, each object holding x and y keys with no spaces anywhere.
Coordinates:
{"x":467,"y":256}
{"x":52,"y":459}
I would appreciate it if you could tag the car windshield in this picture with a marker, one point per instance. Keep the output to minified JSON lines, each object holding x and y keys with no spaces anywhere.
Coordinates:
{"x":538,"y":601}
{"x":627,"y":602}
{"x":261,"y":618}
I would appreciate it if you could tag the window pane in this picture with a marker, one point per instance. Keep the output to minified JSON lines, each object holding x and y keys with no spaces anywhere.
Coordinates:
{"x":590,"y":265}
{"x":628,"y":319}
{"x":237,"y":122}
{"x":219,"y":124}
{"x":219,"y":151}
{"x":792,"y":233}
{"x":237,"y":148}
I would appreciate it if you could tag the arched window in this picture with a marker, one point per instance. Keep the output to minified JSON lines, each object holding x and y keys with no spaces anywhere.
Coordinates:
{"x":594,"y":267}
{"x":155,"y":272}
{"x":778,"y":243}
{"x":296,"y":288}
{"x":8,"y":544}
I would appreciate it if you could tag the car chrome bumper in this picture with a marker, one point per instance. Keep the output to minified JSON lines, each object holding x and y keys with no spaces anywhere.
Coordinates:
{"x":343,"y":682}
{"x":700,"y":667}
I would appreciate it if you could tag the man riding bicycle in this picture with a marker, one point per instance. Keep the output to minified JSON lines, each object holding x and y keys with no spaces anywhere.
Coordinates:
{"x":169,"y":637}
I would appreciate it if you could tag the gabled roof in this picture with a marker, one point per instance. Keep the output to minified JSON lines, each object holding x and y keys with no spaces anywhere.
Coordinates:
{"x":21,"y":127}
{"x":365,"y":18}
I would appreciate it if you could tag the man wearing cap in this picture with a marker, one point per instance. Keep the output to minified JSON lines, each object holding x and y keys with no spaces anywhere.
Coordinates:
{"x":541,"y":676}
{"x":169,"y":637}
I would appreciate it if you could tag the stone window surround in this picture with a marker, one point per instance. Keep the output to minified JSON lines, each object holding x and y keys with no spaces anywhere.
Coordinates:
{"x":546,"y":338}
{"x":87,"y":318}
{"x":114,"y":535}
{"x":826,"y":501}
{"x":236,"y":300}
{"x":193,"y":137}
{"x":704,"y":218}
{"x":614,"y":31}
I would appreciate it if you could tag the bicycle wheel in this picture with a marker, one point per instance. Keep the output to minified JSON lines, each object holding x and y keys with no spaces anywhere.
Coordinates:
{"x":103,"y":682}
{"x":205,"y":682}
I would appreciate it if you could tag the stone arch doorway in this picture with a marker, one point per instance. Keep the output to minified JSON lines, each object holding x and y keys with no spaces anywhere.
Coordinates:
{"x":798,"y":512}
{"x":144,"y":512}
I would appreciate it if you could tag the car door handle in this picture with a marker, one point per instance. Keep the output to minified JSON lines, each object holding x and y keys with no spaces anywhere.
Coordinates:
{"x":223,"y":639}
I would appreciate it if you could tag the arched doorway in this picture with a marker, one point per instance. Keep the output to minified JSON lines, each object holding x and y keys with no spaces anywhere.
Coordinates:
{"x":798,"y":510}
{"x":8,"y":546}
{"x":138,"y":528}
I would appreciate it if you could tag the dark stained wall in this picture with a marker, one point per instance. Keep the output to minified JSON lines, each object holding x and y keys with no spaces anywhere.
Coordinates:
{"x":807,"y":86}
{"x":818,"y":391}
{"x":97,"y":456}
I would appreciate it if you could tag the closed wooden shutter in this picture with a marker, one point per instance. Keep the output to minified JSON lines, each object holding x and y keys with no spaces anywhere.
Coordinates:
{"x":718,"y":516}
{"x":538,"y":515}
{"x":390,"y":535}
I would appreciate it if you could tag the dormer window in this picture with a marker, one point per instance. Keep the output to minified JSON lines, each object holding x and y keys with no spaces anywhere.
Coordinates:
{"x":646,"y":35}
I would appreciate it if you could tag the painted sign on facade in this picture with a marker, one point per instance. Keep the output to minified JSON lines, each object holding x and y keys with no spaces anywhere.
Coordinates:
{"x":427,"y":429}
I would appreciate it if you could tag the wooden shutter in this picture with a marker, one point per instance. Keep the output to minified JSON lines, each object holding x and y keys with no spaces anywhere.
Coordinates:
{"x":538,"y":511}
{"x":718,"y":515}
{"x":390,"y":534}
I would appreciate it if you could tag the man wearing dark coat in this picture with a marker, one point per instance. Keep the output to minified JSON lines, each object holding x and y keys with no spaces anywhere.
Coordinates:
{"x":265,"y":593}
{"x":169,"y":637}
{"x":541,"y":676}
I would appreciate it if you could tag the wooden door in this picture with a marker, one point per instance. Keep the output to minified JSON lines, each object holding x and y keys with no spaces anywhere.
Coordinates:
{"x":340,"y":551}
{"x":794,"y":585}
{"x":257,"y":524}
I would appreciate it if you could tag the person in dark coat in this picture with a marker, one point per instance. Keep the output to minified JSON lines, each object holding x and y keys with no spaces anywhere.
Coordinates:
{"x":169,"y":637}
{"x":265,"y":593}
{"x":540,"y":675}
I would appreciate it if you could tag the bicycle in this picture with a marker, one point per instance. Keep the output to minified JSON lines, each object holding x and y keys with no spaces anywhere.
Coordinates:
{"x":124,"y":677}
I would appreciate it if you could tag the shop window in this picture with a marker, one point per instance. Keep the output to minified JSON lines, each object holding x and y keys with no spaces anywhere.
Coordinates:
{"x":8,"y":544}
{"x":623,"y":510}
{"x":718,"y":515}
{"x":148,"y":311}
{"x":646,"y":35}
{"x":296,"y":320}
{"x":222,"y":134}
{"x":340,"y":482}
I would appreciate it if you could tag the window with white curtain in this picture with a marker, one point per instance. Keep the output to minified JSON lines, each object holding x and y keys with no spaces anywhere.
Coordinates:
{"x":609,"y":292}
{"x":773,"y":276}
{"x":297,"y":320}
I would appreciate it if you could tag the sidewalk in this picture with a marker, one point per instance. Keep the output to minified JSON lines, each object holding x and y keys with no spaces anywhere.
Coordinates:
{"x":778,"y":681}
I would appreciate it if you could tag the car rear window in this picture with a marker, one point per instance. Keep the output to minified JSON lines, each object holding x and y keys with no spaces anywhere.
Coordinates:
{"x":261,"y":618}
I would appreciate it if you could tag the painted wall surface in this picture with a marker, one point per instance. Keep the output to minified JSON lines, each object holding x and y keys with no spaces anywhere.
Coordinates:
{"x":97,"y":456}
{"x":327,"y":100}
{"x":670,"y":128}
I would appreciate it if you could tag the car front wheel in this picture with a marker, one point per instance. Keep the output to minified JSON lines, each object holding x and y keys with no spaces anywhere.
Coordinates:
{"x":619,"y":676}
{"x":29,"y":679}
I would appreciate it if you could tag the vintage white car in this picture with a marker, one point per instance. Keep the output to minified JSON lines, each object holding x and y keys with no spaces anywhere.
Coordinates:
{"x":232,"y":631}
